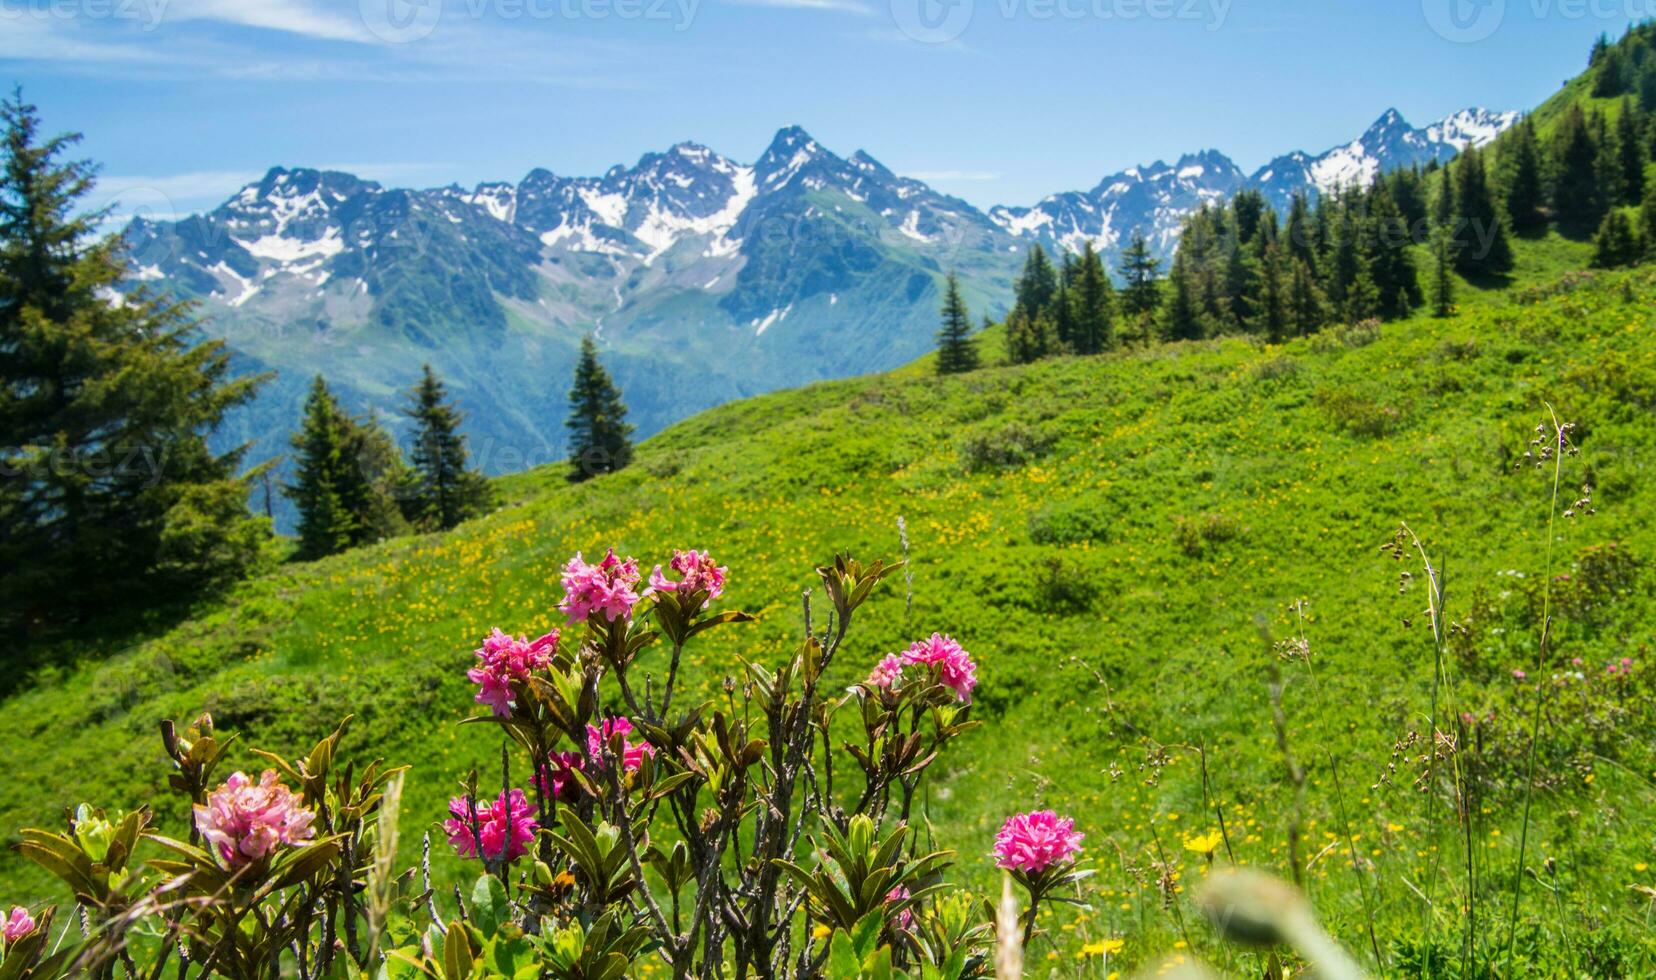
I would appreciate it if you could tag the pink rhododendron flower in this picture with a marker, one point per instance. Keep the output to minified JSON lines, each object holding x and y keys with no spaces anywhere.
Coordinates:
{"x":503,"y":659}
{"x":1036,"y":841}
{"x":556,"y":778}
{"x":887,"y":672}
{"x":505,"y":827}
{"x":955,"y":665}
{"x":607,"y":588}
{"x":696,"y":573}
{"x":905,"y":918}
{"x":244,"y":821}
{"x":19,"y":924}
{"x":632,"y":753}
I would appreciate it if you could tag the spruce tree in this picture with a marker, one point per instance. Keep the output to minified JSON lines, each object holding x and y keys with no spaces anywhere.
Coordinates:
{"x":1607,"y":164}
{"x":1574,"y":178}
{"x":1393,"y":266}
{"x":1362,"y":297}
{"x":1300,"y":233}
{"x":1443,"y":282}
{"x":1647,"y":221}
{"x":109,"y":494}
{"x":1181,"y":317}
{"x":956,"y":350}
{"x":1485,"y":250}
{"x":1308,"y":308}
{"x":1615,"y":244}
{"x":1038,"y":284}
{"x":322,"y":476}
{"x":1630,"y":149}
{"x":445,"y":490}
{"x":1061,"y":316}
{"x":1522,"y":182}
{"x":1275,"y":315}
{"x":1139,"y":294}
{"x":1028,"y":339}
{"x":1092,"y":305}
{"x":348,"y":477}
{"x":598,"y":431}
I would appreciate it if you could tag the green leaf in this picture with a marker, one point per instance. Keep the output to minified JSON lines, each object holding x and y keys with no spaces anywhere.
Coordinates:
{"x":490,"y":910}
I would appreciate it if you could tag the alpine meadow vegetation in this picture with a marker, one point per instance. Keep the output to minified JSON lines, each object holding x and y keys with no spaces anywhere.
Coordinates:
{"x":1288,"y":616}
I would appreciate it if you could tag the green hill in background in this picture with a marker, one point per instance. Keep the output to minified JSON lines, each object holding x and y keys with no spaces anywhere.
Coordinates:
{"x":1103,"y":535}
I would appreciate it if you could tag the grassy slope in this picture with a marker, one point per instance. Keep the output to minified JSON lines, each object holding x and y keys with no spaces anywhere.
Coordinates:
{"x":1135,"y":443}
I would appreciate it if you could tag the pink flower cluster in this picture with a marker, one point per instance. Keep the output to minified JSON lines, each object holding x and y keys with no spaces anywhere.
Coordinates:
{"x":955,"y":666}
{"x":1036,"y":841}
{"x":905,"y":918}
{"x":20,"y":924}
{"x":505,"y":827}
{"x":608,"y":588}
{"x":887,"y":672}
{"x":504,"y":659}
{"x":244,"y":821}
{"x":1623,"y":666}
{"x":557,"y":777}
{"x":632,"y":753}
{"x":697,"y":573}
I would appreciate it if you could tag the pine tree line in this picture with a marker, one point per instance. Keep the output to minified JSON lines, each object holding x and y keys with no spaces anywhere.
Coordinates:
{"x":352,"y":485}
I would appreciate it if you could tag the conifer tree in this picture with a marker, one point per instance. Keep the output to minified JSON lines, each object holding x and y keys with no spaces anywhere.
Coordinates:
{"x":1607,"y":164}
{"x":1443,"y":283}
{"x":599,"y":436}
{"x":1574,"y":178}
{"x":445,"y":490}
{"x":1300,"y":233}
{"x":1615,"y":244}
{"x":1485,"y":250}
{"x":106,"y":478}
{"x":1060,"y":318}
{"x":956,"y":349}
{"x":1275,"y":315}
{"x":322,"y":476}
{"x":1392,"y":265}
{"x":1038,"y":284}
{"x":1521,"y":167}
{"x":1242,"y":287}
{"x":1647,"y":221}
{"x":1028,"y":339}
{"x":1181,"y":317}
{"x":1092,"y":305}
{"x":1630,"y":149}
{"x":1407,"y":189}
{"x":1362,"y":297}
{"x":1139,"y":294}
{"x":1308,"y":309}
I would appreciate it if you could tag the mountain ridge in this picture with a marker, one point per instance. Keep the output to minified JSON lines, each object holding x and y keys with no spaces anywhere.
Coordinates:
{"x":703,"y":278}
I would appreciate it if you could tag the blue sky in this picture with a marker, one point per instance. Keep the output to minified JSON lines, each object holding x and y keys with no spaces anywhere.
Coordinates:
{"x":997,"y":101}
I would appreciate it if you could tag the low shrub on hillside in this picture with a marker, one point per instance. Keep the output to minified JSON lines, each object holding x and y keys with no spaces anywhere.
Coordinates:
{"x":1194,"y":534}
{"x":1357,"y":415}
{"x":1004,"y":447}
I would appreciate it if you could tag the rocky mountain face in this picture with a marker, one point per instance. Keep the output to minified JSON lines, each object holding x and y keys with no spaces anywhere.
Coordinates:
{"x":703,"y":279}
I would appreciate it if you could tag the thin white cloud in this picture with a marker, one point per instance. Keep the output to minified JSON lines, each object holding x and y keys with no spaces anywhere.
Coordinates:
{"x":26,"y":37}
{"x":286,"y":16}
{"x":837,"y":6}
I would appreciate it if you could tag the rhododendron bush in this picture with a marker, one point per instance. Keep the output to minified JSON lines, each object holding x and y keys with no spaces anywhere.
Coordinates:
{"x":627,"y":823}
